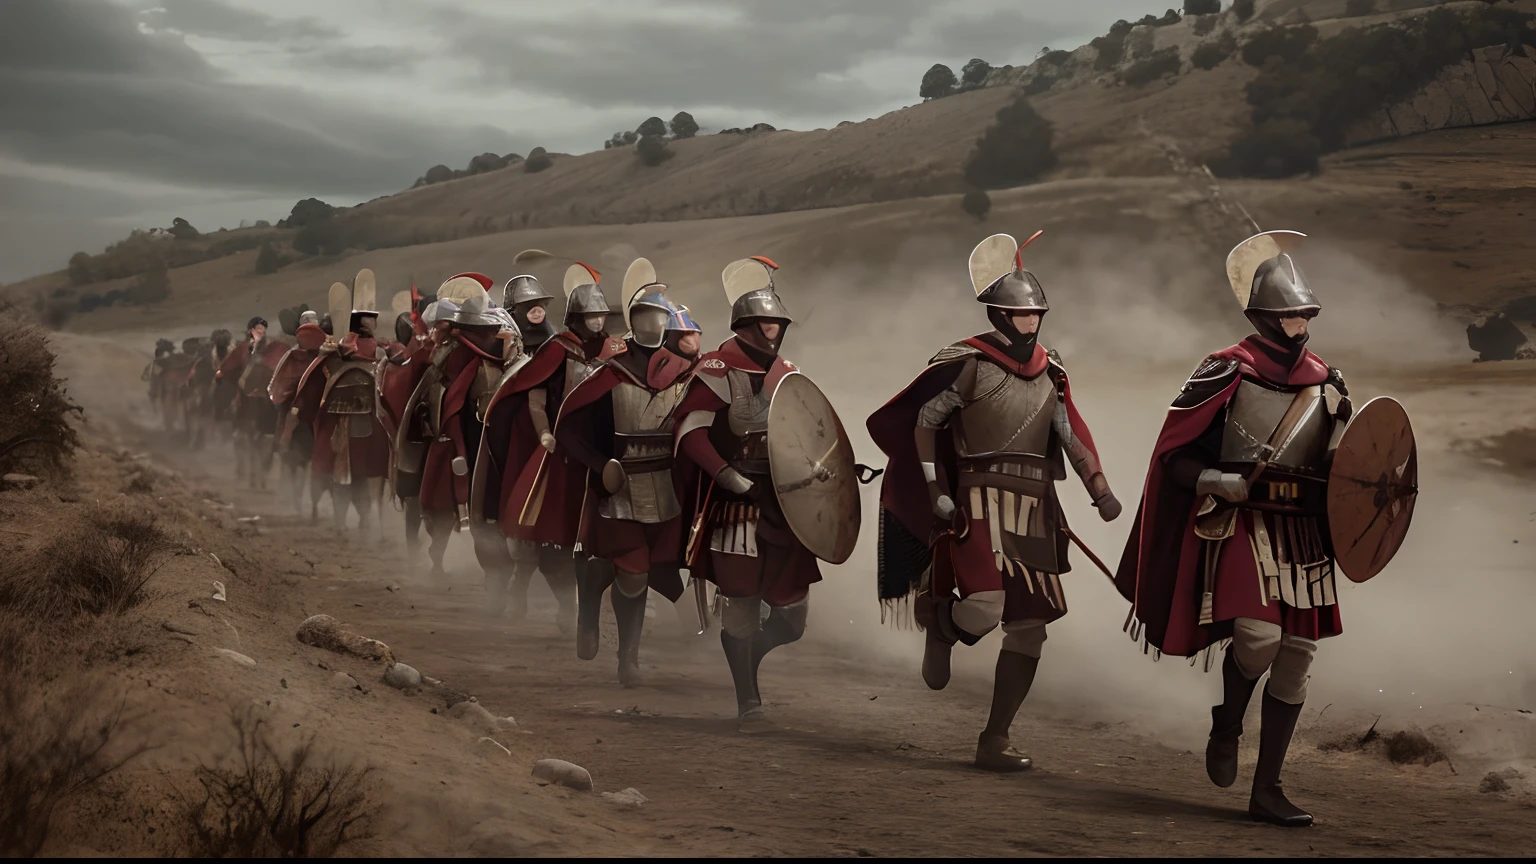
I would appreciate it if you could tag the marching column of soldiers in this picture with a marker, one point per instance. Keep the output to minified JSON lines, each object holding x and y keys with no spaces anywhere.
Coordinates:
{"x":614,"y":463}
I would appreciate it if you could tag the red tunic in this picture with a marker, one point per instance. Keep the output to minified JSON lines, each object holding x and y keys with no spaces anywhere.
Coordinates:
{"x":1160,"y":569}
{"x":966,"y":562}
{"x":441,"y":489}
{"x":783,"y":570}
{"x":337,"y":454}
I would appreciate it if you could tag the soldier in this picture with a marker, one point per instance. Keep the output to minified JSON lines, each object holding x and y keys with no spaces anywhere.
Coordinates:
{"x":250,"y":366}
{"x":397,"y":377}
{"x":175,"y":371}
{"x":338,"y":398}
{"x":740,"y":538}
{"x":1229,"y":540}
{"x":206,"y":395}
{"x":976,"y":445}
{"x":618,"y":423}
{"x":527,"y":300}
{"x":447,"y":413}
{"x":538,"y":499}
{"x":152,"y":372}
{"x":296,"y":441}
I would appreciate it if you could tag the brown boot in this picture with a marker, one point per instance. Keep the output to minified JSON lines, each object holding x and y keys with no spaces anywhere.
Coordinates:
{"x":1015,"y":675}
{"x":1268,"y":802}
{"x":629,"y":613}
{"x":1227,"y":723}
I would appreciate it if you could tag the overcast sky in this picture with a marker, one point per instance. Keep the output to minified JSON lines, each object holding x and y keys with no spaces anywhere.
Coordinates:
{"x":117,"y":114}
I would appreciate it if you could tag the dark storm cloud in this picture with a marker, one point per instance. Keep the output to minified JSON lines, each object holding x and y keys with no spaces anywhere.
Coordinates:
{"x":85,"y":87}
{"x":221,"y":21}
{"x":996,"y":36}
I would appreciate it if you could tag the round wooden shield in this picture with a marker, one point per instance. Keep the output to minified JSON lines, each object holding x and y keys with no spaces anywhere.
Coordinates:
{"x":814,"y":476}
{"x":1371,"y":488}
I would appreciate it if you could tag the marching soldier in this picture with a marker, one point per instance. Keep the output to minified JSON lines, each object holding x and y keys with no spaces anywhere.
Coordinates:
{"x":1241,"y":528}
{"x":976,"y":445}
{"x":250,"y":366}
{"x":296,"y":442}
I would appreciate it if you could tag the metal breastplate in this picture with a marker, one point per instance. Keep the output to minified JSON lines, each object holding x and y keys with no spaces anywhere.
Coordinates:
{"x":350,"y":390}
{"x":576,"y":371}
{"x":642,"y":424}
{"x":1005,"y":414}
{"x":748,"y":421}
{"x":483,"y":388}
{"x":1253,"y":416}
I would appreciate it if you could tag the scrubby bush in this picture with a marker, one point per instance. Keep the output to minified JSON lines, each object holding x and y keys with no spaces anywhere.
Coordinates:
{"x":80,"y":269}
{"x":1208,"y":55}
{"x":98,"y":567}
{"x":181,"y":229}
{"x":1056,"y":58}
{"x":1015,"y":150}
{"x":683,"y":125}
{"x":938,"y":82}
{"x":1242,"y":9}
{"x":653,"y":150}
{"x":1204,"y":24}
{"x":1287,"y":43}
{"x":268,"y":260}
{"x":1158,"y":64}
{"x":975,"y":73}
{"x":538,"y":160}
{"x":36,"y":432}
{"x":319,"y":238}
{"x":1110,"y":48}
{"x":307,"y":212}
{"x":977,"y":203}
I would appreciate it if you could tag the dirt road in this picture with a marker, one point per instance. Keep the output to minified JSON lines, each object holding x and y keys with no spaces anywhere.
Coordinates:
{"x":867,"y":761}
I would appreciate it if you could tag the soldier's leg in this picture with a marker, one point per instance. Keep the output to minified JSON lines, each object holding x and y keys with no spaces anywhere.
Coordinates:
{"x":785,"y":624}
{"x":1283,"y":698}
{"x":242,"y":456}
{"x":440,"y":526}
{"x":412,"y":516}
{"x":1254,"y":646}
{"x":318,"y":485}
{"x":560,"y":567}
{"x":365,"y":495}
{"x":628,"y":596}
{"x":1015,"y":674}
{"x":957,"y":620}
{"x":263,"y":460}
{"x":341,"y":499}
{"x":525,"y":560}
{"x":496,"y":560}
{"x":591,"y":581}
{"x":740,"y":619}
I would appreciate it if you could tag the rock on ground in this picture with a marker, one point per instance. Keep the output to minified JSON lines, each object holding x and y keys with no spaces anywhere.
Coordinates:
{"x":19,"y":481}
{"x":235,"y":656}
{"x":630,"y":797}
{"x":474,"y":715}
{"x":343,"y":681}
{"x":323,"y":631}
{"x":402,"y":676}
{"x":563,"y":773}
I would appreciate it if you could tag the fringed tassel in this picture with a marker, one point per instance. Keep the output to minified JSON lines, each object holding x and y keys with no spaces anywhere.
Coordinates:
{"x":897,"y":612}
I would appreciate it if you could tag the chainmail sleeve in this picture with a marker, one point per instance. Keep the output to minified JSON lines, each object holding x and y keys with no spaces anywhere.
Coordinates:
{"x":936,"y":412}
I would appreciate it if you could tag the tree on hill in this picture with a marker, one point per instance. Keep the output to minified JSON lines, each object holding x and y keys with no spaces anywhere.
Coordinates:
{"x":654,"y":126}
{"x":181,"y":229}
{"x":653,"y":150}
{"x":683,"y":125}
{"x":80,"y":269}
{"x":1242,"y":9}
{"x":975,"y":73}
{"x":938,"y":81}
{"x":267,"y":260}
{"x":486,"y":162}
{"x":1015,"y":150}
{"x":538,"y":160}
{"x":307,"y":212}
{"x":1202,"y":7}
{"x":977,"y":203}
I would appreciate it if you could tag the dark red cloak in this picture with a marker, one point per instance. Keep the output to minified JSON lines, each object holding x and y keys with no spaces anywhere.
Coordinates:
{"x":366,"y":457}
{"x":1160,"y":569}
{"x":441,"y":489}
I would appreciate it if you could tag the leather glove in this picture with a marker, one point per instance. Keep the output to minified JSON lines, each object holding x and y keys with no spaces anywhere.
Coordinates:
{"x":733,"y":481}
{"x":944,"y":508}
{"x":1228,"y":487}
{"x":547,"y":440}
{"x":614,"y":478}
{"x":1109,"y":507}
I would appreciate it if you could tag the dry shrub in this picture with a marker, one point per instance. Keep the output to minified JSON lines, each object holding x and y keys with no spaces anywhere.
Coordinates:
{"x":273,"y":803}
{"x":1403,"y":747}
{"x":35,"y":430}
{"x":55,"y":741}
{"x":98,"y":566}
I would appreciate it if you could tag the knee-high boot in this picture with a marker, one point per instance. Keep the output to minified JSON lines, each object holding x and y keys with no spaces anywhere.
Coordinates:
{"x":593,"y":577}
{"x":1227,"y":722}
{"x":630,"y":615}
{"x":1268,"y":802}
{"x":1015,"y":675}
{"x":738,"y":654}
{"x":785,"y":624}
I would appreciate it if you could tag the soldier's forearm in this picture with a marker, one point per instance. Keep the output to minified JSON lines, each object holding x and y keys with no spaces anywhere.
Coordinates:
{"x":576,"y":436}
{"x":538,"y":410}
{"x":695,"y":445}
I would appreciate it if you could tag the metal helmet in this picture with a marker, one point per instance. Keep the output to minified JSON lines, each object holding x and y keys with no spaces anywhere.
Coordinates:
{"x":308,"y":316}
{"x":478,"y":311}
{"x":190,"y":346}
{"x":749,"y":288}
{"x":439,"y":310}
{"x":999,"y":277}
{"x":164,"y":346}
{"x":681,"y":321}
{"x":646,"y":307}
{"x":1266,"y":279}
{"x":583,"y":296}
{"x":524,"y":289}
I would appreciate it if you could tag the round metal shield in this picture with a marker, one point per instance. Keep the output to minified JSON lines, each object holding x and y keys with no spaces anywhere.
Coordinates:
{"x":811,"y":463}
{"x":1371,"y":488}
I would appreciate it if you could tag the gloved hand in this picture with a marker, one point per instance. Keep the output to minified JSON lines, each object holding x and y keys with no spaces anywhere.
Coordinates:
{"x":1109,"y":507}
{"x":614,"y":478}
{"x":734,"y":481}
{"x":944,"y":508}
{"x":1228,"y":487}
{"x":547,"y":440}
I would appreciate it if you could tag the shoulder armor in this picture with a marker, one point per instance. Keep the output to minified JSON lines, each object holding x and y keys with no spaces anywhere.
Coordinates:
{"x":1209,"y":378}
{"x":1054,"y":358}
{"x":712,"y":366}
{"x":791,"y":367}
{"x":1336,"y":378}
{"x":957,"y":351}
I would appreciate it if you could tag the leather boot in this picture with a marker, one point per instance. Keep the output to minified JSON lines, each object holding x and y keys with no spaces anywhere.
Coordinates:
{"x":1015,"y":675}
{"x":593,"y":577}
{"x":941,"y":638}
{"x":630,"y":614}
{"x":340,"y":497}
{"x":785,"y":624}
{"x":1227,"y":723}
{"x":749,"y":705}
{"x":562,"y":583}
{"x":1268,"y":802}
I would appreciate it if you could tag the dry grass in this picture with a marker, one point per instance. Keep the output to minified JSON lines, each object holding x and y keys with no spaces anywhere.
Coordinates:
{"x":1403,"y":747}
{"x":98,"y":567}
{"x":269,"y":802}
{"x":35,"y":430}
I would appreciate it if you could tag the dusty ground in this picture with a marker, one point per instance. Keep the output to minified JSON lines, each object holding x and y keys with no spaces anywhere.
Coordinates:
{"x":867,"y":762}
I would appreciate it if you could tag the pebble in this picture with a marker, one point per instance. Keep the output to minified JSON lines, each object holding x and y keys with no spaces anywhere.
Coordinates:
{"x":402,"y":676}
{"x":630,"y":797}
{"x":563,"y":773}
{"x":323,"y":631}
{"x":235,"y":656}
{"x":343,"y":681}
{"x":20,"y":481}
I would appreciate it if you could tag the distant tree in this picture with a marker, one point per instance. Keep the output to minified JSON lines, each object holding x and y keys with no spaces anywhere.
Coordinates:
{"x":1056,"y":58}
{"x":1158,"y":64}
{"x":653,"y":150}
{"x":683,"y":125}
{"x":307,"y":212}
{"x":319,"y":238}
{"x":1202,"y":7}
{"x":1242,"y":9}
{"x":1209,"y":55}
{"x":181,"y":229}
{"x":1287,"y":43}
{"x":1357,"y":8}
{"x":938,"y":81}
{"x":538,"y":160}
{"x":1016,"y":149}
{"x":486,"y":162}
{"x":652,"y":126}
{"x":1169,"y":17}
{"x":1110,"y":48}
{"x":977,"y":203}
{"x":80,"y":269}
{"x":1204,"y":24}
{"x":1120,"y":28}
{"x":267,"y":260}
{"x":262,"y":223}
{"x":153,"y":285}
{"x":1139,"y":43}
{"x":975,"y":73}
